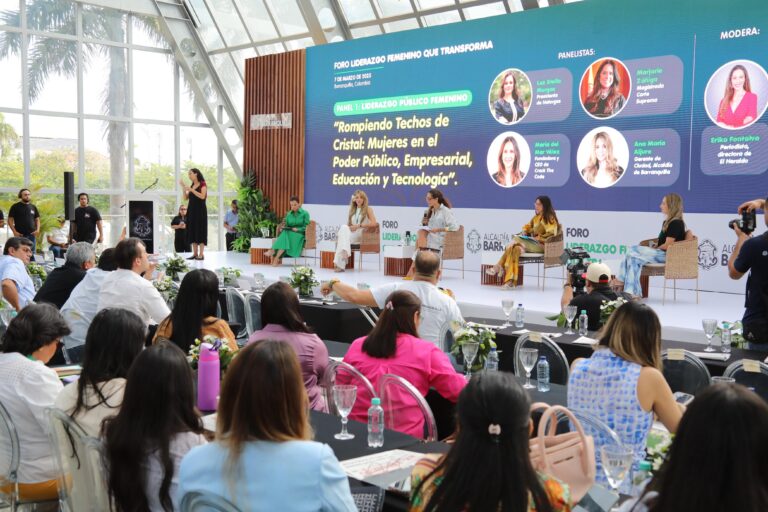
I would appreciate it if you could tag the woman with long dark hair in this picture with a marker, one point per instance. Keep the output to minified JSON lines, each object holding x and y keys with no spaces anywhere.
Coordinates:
{"x":115,"y":338}
{"x":156,"y":426}
{"x":394,"y":346}
{"x":264,"y":457}
{"x":542,"y":226}
{"x":488,"y":467}
{"x":438,"y":219}
{"x":282,"y":321}
{"x":197,"y":213}
{"x":509,"y":108}
{"x":606,"y":99}
{"x":194,"y":313}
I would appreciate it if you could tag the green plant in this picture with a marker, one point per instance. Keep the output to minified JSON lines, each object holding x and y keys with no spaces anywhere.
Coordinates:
{"x":226,"y":354}
{"x":254,"y":213}
{"x":608,"y":307}
{"x":230,"y":274}
{"x":469,"y":334}
{"x":174,"y":266}
{"x":737,"y":333}
{"x":166,"y":288}
{"x":558,"y":318}
{"x":33,"y":269}
{"x":304,"y":279}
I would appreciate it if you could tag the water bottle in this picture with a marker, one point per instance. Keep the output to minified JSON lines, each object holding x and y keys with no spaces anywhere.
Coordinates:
{"x":725,"y":339}
{"x":583,"y":323}
{"x":542,"y":374}
{"x":208,"y":377}
{"x":641,"y":477}
{"x":520,"y":316}
{"x":407,"y":238}
{"x":492,"y":360}
{"x":375,"y":424}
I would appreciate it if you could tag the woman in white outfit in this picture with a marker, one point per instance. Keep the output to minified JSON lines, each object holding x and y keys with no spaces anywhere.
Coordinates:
{"x":360,"y":217}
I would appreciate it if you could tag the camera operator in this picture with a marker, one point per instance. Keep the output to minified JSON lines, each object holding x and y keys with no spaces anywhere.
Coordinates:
{"x":751,"y":255}
{"x":598,"y":290}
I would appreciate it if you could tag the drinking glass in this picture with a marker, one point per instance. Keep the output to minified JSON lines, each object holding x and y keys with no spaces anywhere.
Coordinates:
{"x":617,"y":461}
{"x":508,"y":306}
{"x":570,"y":314}
{"x":258,"y":281}
{"x":528,"y":358}
{"x":344,"y":398}
{"x":725,"y":340}
{"x":709,"y":324}
{"x":469,"y":351}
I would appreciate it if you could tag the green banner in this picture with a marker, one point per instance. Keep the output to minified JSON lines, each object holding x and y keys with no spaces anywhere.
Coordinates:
{"x":426,"y":101}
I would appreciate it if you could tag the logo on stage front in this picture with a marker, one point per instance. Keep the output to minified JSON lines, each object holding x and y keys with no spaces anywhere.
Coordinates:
{"x":707,"y":254}
{"x":473,"y":242}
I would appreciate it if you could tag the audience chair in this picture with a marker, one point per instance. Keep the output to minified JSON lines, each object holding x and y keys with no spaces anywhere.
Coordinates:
{"x":354,"y":377}
{"x":750,"y":373}
{"x":558,"y":363}
{"x":205,"y":502}
{"x":550,"y":258}
{"x":10,"y":458}
{"x":395,"y":390}
{"x":368,"y":498}
{"x":688,"y":374}
{"x":370,"y":315}
{"x":252,"y":312}
{"x":236,"y":311}
{"x":82,"y":483}
{"x":446,"y":338}
{"x":453,"y":248}
{"x":682,"y":263}
{"x":370,"y":243}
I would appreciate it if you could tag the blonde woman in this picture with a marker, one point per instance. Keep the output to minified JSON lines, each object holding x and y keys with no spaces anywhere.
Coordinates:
{"x":602,"y":170}
{"x":509,"y":173}
{"x":360,"y":217}
{"x":542,"y":227}
{"x":672,"y":230}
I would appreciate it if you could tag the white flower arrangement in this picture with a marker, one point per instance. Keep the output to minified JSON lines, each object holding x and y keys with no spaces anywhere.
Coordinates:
{"x":465,"y":333}
{"x":609,"y":306}
{"x":304,"y":279}
{"x":230,"y":274}
{"x":226,"y":354}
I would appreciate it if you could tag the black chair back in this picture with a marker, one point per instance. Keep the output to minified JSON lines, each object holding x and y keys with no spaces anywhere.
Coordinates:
{"x":684,"y":371}
{"x":559,"y":370}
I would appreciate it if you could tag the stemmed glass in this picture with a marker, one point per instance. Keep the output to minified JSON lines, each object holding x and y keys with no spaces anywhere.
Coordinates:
{"x":709,"y":324}
{"x":344,"y":398}
{"x":258,"y":280}
{"x":570,"y":314}
{"x":528,"y":357}
{"x":617,"y":461}
{"x":507,"y":305}
{"x":469,"y":351}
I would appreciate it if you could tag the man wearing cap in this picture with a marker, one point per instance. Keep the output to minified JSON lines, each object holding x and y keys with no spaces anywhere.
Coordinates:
{"x":598,"y":276}
{"x":58,"y":238}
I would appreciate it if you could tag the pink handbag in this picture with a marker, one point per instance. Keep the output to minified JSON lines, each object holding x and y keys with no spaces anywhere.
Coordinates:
{"x":570,"y":457}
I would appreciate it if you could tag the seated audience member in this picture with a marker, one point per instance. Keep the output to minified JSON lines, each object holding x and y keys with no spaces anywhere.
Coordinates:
{"x":194,"y":313}
{"x":82,"y":304}
{"x":125,"y":288}
{"x":723,"y":427}
{"x":156,"y":426}
{"x":751,"y":255}
{"x":438,"y":309}
{"x":264,"y":458}
{"x":27,"y":389}
{"x":60,"y":283}
{"x":58,"y":238}
{"x":622,"y":384}
{"x":488,"y":466}
{"x":283,"y":322}
{"x":394,"y":346}
{"x":115,"y":338}
{"x":597,"y":288}
{"x":17,"y":286}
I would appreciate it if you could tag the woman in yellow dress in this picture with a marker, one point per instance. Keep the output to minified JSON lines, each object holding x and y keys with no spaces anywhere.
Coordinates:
{"x":542,"y":227}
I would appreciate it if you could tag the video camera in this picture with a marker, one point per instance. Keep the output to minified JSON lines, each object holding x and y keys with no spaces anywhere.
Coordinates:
{"x":747,"y":223}
{"x":576,"y":267}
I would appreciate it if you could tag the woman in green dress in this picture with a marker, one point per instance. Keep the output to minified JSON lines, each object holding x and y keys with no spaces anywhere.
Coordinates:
{"x":291,"y":239}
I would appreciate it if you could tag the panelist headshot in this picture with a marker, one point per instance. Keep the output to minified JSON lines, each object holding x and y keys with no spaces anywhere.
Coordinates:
{"x":508,"y":160}
{"x":737,"y":94}
{"x":605,"y":88}
{"x":602,"y":156}
{"x":510,"y":96}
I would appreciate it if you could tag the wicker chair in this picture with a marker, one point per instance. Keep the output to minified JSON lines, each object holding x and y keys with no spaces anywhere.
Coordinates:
{"x":453,"y":248}
{"x":553,"y":249}
{"x":369,"y":244}
{"x":682,"y":263}
{"x":310,"y":240}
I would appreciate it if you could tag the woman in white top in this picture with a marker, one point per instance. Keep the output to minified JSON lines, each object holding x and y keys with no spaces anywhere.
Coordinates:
{"x":359,"y":218}
{"x":115,"y":338}
{"x":156,"y":426}
{"x":27,"y":389}
{"x":437,"y":221}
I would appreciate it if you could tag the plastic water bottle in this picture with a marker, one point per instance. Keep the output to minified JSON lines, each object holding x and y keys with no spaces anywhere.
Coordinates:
{"x":520,"y":316}
{"x":583,"y":323}
{"x":492,"y":360}
{"x":208,"y":377}
{"x":641,"y":477}
{"x":725,"y":339}
{"x":542,"y":374}
{"x":375,"y":424}
{"x":407,"y":238}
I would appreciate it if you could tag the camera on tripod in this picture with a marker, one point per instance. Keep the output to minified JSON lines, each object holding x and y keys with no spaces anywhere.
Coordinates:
{"x":573,"y":258}
{"x":747,"y":223}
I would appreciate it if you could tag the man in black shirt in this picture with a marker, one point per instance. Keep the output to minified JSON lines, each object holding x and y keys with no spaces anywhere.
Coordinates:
{"x":87,"y":219}
{"x":598,"y":290}
{"x":59,"y":284}
{"x":24,"y":219}
{"x":751,"y":255}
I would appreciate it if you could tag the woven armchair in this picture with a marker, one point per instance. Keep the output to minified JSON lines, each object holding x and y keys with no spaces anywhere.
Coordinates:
{"x":370,"y":243}
{"x":453,"y":248}
{"x":553,"y":249}
{"x":682,"y":263}
{"x":310,"y":239}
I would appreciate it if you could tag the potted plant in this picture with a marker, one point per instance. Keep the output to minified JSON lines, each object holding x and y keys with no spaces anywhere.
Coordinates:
{"x":483,"y":336}
{"x":230,"y":275}
{"x":254,"y":214}
{"x":174,"y":266}
{"x":165,"y":286}
{"x":303,"y":279}
{"x":226,"y":354}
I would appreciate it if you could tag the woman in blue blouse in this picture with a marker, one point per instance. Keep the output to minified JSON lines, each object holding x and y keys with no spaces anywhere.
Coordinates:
{"x":291,"y":239}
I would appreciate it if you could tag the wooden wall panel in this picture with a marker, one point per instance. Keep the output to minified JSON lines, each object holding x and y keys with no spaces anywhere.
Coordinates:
{"x":275,"y":84}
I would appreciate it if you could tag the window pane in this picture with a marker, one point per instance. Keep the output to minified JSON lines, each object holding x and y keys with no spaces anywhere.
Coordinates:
{"x":52,"y":16}
{"x":442,"y":18}
{"x":146,"y":32}
{"x":11,"y":159}
{"x":231,"y":81}
{"x":207,"y":29}
{"x":230,"y":26}
{"x":268,"y":49}
{"x":52,"y":88}
{"x":393,"y":7}
{"x":359,"y":33}
{"x":357,"y":11}
{"x":153,"y":157}
{"x":240,"y":56}
{"x":152,"y":85}
{"x":259,"y":22}
{"x":431,"y":4}
{"x":298,"y":44}
{"x":52,"y":149}
{"x":289,"y":18}
{"x":9,"y":13}
{"x":10,"y":70}
{"x":105,"y":81}
{"x":106,"y":154}
{"x":198,"y":149}
{"x":103,"y":23}
{"x":397,"y":26}
{"x":484,"y":11}
{"x":188,"y":110}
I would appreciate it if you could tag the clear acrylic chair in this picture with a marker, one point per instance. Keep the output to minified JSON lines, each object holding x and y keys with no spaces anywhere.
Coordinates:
{"x":757,"y":380}
{"x":236,"y":307}
{"x":558,"y":363}
{"x":198,"y":501}
{"x":253,"y":312}
{"x":398,"y":396}
{"x":349,"y":375}
{"x":688,"y":373}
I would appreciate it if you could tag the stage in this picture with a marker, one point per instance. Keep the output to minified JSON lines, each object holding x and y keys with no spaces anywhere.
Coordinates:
{"x":681,"y":319}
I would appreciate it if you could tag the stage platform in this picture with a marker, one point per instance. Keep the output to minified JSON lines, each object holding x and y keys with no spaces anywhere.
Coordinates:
{"x":681,"y":319}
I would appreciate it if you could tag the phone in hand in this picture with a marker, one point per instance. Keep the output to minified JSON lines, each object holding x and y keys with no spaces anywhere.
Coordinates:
{"x":682,"y":398}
